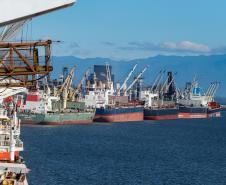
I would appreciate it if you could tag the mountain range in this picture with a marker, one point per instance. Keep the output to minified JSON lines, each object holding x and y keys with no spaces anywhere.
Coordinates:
{"x":205,"y":69}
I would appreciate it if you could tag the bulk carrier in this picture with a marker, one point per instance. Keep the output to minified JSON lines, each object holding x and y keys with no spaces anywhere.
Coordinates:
{"x":111,"y":105}
{"x":194,"y":104}
{"x":160,"y":100}
{"x":54,"y":108}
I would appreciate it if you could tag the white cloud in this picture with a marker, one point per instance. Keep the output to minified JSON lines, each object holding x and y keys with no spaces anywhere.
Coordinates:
{"x":194,"y":46}
{"x":187,"y":46}
{"x":169,"y":45}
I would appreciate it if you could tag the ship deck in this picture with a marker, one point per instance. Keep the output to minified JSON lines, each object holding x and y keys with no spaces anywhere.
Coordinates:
{"x":14,"y":167}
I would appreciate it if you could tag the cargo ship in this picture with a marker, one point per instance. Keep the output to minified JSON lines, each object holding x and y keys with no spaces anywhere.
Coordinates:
{"x":113,"y":108}
{"x":161,"y":113}
{"x":43,"y":107}
{"x":57,"y":118}
{"x":112,"y":105}
{"x":195,"y":104}
{"x":119,"y":114}
{"x":160,"y":100}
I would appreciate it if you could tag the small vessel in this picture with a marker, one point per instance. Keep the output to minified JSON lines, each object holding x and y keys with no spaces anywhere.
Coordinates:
{"x":195,"y":104}
{"x":160,"y":100}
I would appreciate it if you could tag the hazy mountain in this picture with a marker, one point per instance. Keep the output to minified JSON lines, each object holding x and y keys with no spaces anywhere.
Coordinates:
{"x":205,"y":68}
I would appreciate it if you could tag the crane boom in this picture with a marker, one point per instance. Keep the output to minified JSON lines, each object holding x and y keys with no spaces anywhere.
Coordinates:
{"x":157,"y":80}
{"x":136,"y":79}
{"x":209,"y":89}
{"x":79,"y":86}
{"x":128,"y":77}
{"x":215,"y":90}
{"x":67,"y":83}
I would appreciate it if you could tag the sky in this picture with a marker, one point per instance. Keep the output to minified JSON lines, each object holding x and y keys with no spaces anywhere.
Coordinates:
{"x":131,"y":29}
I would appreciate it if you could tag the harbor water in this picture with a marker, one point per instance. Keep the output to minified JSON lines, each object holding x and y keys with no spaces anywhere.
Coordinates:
{"x":177,"y":152}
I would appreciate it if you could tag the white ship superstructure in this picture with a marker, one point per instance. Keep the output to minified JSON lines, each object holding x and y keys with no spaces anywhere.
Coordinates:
{"x":12,"y":168}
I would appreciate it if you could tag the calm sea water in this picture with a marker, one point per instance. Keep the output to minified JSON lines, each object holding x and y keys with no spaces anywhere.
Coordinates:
{"x":183,"y":152}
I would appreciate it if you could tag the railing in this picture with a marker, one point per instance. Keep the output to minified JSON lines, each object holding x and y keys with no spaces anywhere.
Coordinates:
{"x":19,"y":144}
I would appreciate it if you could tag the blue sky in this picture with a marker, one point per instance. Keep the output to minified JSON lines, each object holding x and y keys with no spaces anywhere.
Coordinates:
{"x":128,"y":29}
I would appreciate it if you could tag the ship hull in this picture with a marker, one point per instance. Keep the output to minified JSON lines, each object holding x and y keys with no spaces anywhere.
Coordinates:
{"x":198,"y":112}
{"x":56,"y":118}
{"x":161,"y":114}
{"x":124,"y":114}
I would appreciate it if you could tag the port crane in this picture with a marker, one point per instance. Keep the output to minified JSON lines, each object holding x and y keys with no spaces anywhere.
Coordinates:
{"x":135,"y":80}
{"x":124,"y":85}
{"x":19,"y":66}
{"x":19,"y":61}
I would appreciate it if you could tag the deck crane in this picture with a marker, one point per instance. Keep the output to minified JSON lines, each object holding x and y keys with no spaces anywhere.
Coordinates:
{"x":213,"y":89}
{"x":165,"y":85}
{"x":170,"y":83}
{"x":124,"y":85}
{"x":136,"y":79}
{"x":64,"y":90}
{"x":157,"y":80}
{"x":108,"y":76}
{"x":209,"y":89}
{"x":79,"y":86}
{"x":19,"y":61}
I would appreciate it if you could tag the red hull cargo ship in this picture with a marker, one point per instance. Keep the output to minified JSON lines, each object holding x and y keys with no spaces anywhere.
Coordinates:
{"x":119,"y":114}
